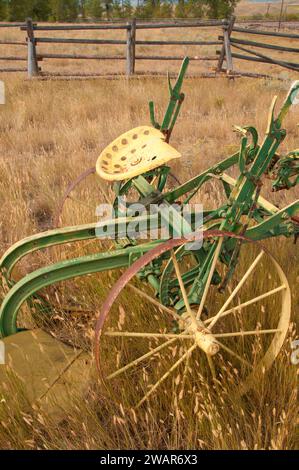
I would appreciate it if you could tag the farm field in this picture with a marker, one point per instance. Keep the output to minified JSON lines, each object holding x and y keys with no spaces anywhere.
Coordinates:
{"x":245,"y":9}
{"x":52,"y":130}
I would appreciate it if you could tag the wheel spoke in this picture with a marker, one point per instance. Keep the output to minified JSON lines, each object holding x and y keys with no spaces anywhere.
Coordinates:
{"x":233,"y":353}
{"x":182,"y":287}
{"x":237,"y":288}
{"x":211,"y":366}
{"x":146,"y":335}
{"x":248,"y":302}
{"x":173,"y":367}
{"x":155,"y":302}
{"x":185,"y":373}
{"x":246,"y":333}
{"x":141,"y":358}
{"x":208,"y":283}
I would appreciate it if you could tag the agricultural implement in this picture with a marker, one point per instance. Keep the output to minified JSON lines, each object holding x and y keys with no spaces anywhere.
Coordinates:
{"x":206,"y":297}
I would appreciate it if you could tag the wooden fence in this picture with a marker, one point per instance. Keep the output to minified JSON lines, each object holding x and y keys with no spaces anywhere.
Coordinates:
{"x":231,"y":47}
{"x":20,"y":44}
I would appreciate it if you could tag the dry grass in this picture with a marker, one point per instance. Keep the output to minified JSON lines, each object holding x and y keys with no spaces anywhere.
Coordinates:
{"x":50,"y":131}
{"x":245,"y":9}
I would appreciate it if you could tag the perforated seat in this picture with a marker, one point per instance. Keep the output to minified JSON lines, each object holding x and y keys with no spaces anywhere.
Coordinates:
{"x":133,"y":153}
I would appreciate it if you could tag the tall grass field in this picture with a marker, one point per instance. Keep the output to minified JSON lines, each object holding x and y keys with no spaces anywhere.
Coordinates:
{"x":51,"y":130}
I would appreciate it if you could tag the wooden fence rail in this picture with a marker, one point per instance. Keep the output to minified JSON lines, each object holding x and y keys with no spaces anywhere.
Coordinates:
{"x":12,"y":25}
{"x":227,"y":42}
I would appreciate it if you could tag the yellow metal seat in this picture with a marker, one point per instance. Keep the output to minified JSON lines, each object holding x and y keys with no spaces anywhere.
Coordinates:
{"x":133,"y":153}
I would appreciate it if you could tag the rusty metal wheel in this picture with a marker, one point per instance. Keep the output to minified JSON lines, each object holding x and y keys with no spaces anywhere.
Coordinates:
{"x":148,"y":345}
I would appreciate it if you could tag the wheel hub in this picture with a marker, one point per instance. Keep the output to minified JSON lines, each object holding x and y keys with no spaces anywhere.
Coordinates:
{"x":203,"y":337}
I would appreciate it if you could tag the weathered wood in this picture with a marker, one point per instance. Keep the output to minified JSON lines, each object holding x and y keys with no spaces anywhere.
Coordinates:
{"x":120,"y":41}
{"x":259,"y":59}
{"x":178,"y":43}
{"x":80,"y":41}
{"x":13,"y":70}
{"x":139,"y":25}
{"x":110,"y":57}
{"x":13,"y":43}
{"x":78,"y":27}
{"x":228,"y":54}
{"x":12,"y":25}
{"x":228,"y":27}
{"x":32,"y":63}
{"x":265,"y":33}
{"x":133,"y":33}
{"x":288,"y":65}
{"x":131,"y":41}
{"x":79,"y":57}
{"x":155,"y":57}
{"x":187,"y":24}
{"x":264,"y":45}
{"x":236,"y":55}
{"x":13,"y":58}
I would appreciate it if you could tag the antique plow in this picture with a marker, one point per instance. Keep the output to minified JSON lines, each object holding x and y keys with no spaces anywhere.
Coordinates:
{"x":207,"y":298}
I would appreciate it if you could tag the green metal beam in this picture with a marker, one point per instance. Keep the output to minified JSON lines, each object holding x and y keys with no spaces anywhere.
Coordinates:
{"x":61,"y":236}
{"x":263,"y":229}
{"x":198,"y":180}
{"x":62,"y":271}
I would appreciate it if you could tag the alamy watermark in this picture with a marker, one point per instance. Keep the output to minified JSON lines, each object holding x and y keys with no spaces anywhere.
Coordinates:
{"x":150,"y":222}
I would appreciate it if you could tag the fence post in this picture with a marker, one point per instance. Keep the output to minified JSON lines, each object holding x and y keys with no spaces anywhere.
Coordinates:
{"x":225,"y":52}
{"x":131,"y":37}
{"x":32,"y":64}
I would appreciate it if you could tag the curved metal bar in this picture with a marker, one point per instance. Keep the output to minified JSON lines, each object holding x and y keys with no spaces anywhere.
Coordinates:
{"x":43,"y":240}
{"x":61,"y":236}
{"x":57,"y":272}
{"x":69,"y":189}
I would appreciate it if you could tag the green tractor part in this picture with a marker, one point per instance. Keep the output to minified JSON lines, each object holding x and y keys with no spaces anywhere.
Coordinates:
{"x":197,"y":284}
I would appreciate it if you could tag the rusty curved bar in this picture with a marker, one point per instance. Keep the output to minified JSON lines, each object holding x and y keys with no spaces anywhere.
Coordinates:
{"x":69,"y":269}
{"x":69,"y":189}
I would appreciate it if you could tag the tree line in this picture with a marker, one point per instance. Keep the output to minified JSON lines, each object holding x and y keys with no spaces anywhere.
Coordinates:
{"x":74,"y":10}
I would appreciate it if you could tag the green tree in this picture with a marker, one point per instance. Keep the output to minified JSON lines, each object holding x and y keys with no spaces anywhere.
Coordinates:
{"x":3,"y":10}
{"x":40,"y":10}
{"x":194,"y":8}
{"x":220,"y":8}
{"x":148,"y":9}
{"x":165,"y":9}
{"x":64,"y":10}
{"x":116,"y":9}
{"x":180,"y":9}
{"x":127,"y":9}
{"x":18,"y":10}
{"x":94,"y":8}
